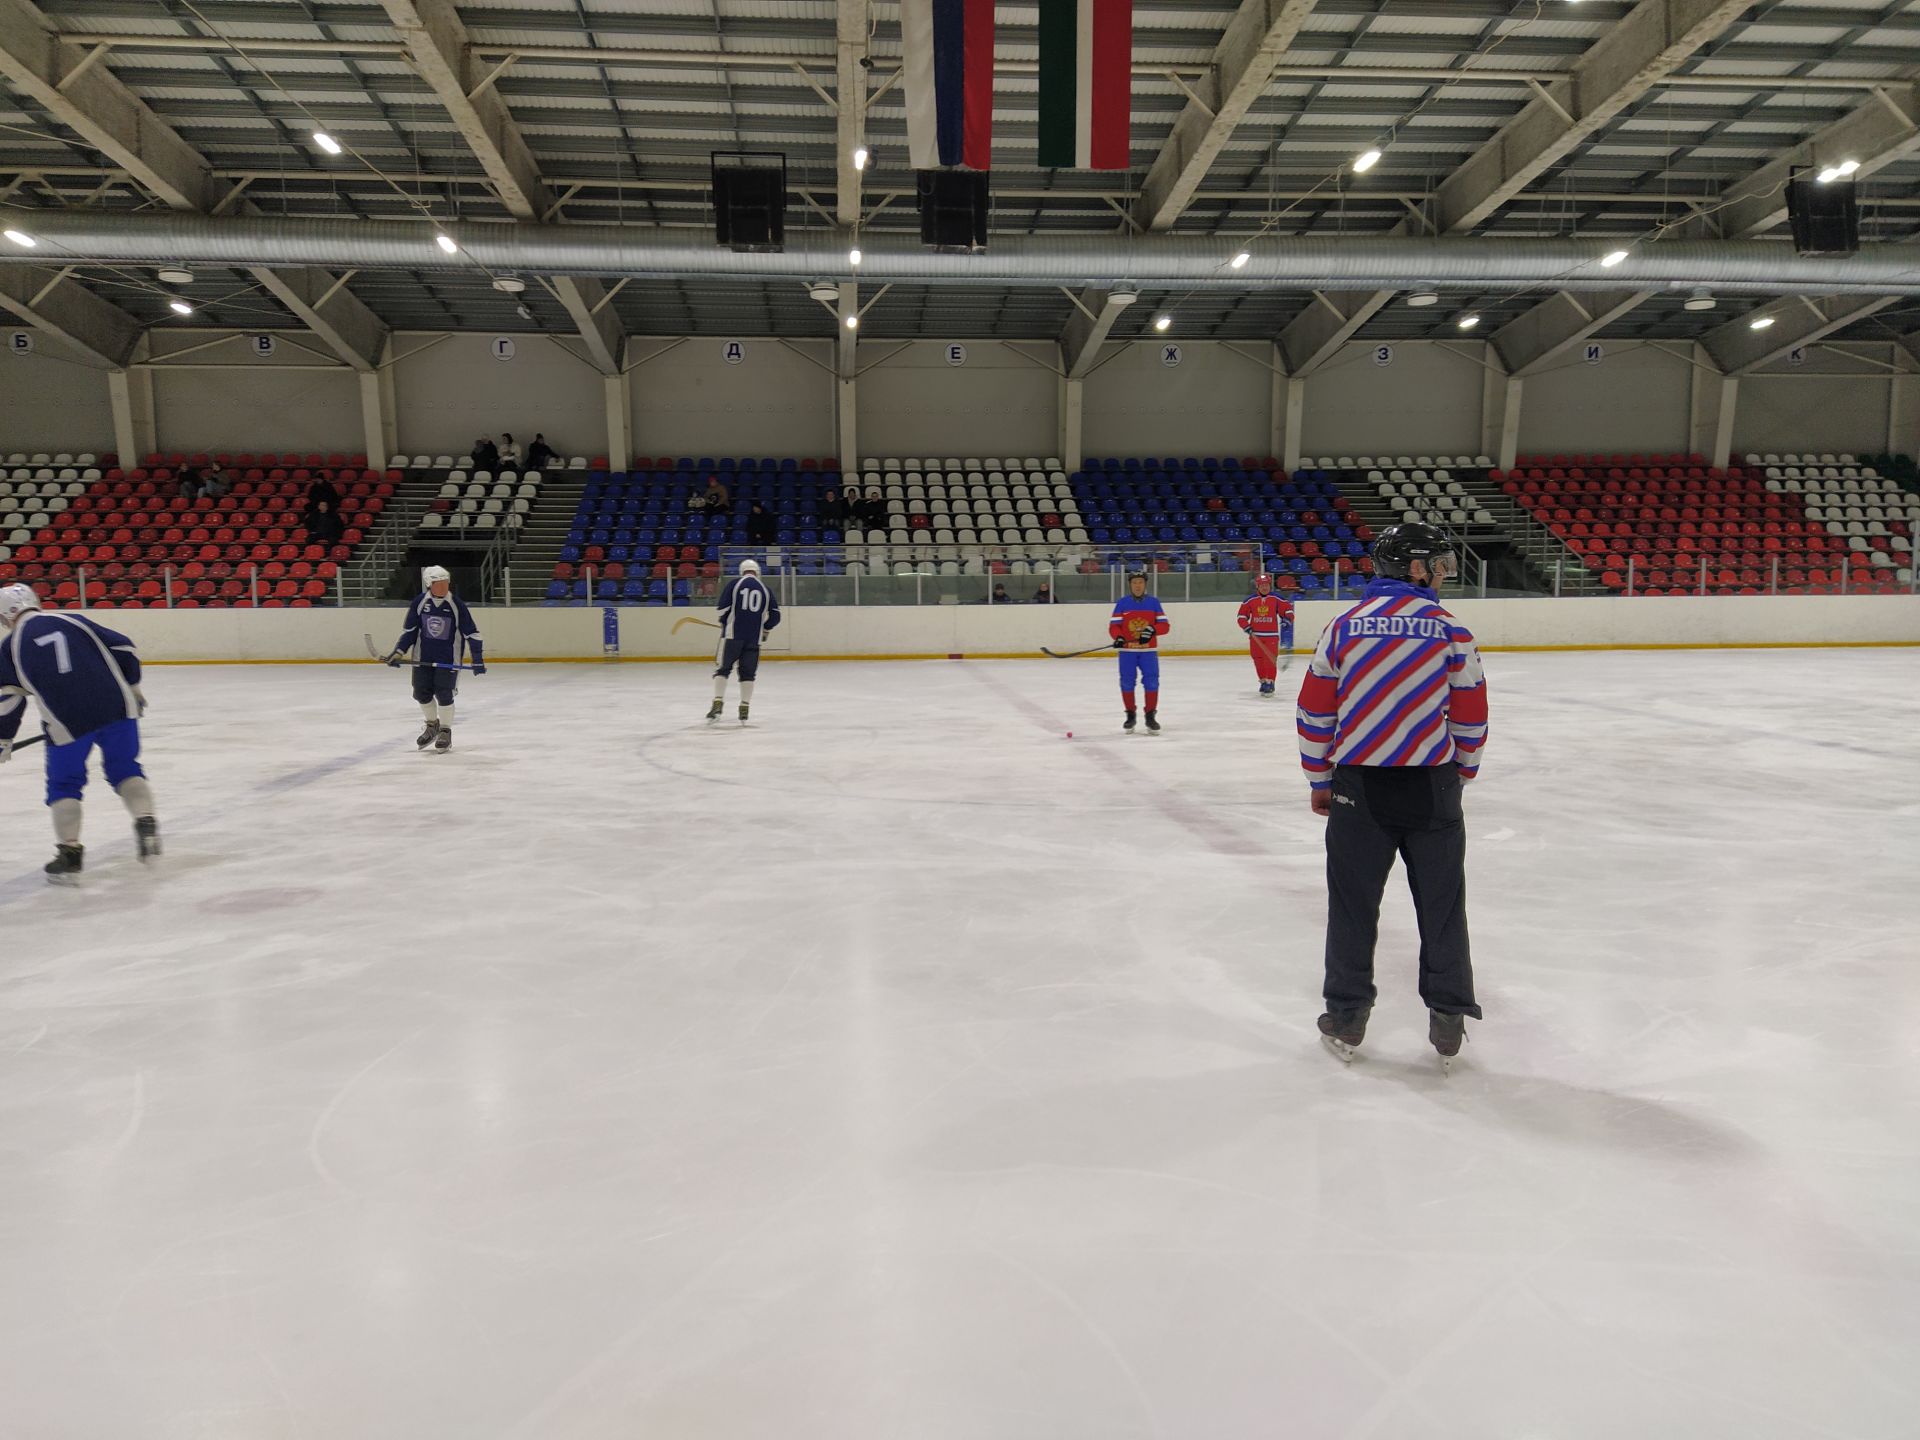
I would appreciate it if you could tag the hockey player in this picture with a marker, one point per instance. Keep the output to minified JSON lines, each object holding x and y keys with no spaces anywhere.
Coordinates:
{"x":86,"y":680}
{"x":1136,"y":627}
{"x":747,"y":611}
{"x":439,"y":623}
{"x":1393,"y":715}
{"x":1268,"y":620}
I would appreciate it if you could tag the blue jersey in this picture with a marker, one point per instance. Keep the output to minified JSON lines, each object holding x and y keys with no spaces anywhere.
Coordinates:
{"x":81,"y":674}
{"x":443,"y":629}
{"x":747,"y":609}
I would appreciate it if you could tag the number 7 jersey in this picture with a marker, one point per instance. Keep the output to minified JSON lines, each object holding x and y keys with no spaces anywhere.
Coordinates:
{"x":81,"y":673}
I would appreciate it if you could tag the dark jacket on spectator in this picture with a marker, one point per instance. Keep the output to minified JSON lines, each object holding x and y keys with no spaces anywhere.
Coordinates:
{"x":323,"y":489}
{"x":324,"y":526}
{"x":762,"y":528}
{"x":539,"y":453}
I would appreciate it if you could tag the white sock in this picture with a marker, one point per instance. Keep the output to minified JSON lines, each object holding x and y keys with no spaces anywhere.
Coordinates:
{"x":430,"y":712}
{"x":720,"y":687}
{"x":746,"y":692}
{"x":137,"y":795}
{"x":446,"y":717}
{"x":66,"y":821}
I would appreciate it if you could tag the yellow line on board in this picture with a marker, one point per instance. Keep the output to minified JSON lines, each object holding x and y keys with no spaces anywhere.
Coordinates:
{"x":1031,"y":655}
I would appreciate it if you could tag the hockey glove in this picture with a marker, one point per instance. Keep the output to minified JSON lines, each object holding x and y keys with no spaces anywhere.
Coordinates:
{"x":1145,"y":635}
{"x":141,"y":698}
{"x":1119,"y":642}
{"x":393,"y":659}
{"x":479,"y":667}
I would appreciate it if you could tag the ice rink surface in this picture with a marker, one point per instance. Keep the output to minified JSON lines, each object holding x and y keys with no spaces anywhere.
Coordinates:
{"x":897,"y":1067}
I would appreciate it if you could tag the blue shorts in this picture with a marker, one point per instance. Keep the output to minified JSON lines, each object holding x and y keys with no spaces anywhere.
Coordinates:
{"x":119,"y":754}
{"x":1139,"y":666}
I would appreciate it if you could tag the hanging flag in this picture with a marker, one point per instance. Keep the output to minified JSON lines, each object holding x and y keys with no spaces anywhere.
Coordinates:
{"x":1086,"y":84}
{"x":948,"y":78}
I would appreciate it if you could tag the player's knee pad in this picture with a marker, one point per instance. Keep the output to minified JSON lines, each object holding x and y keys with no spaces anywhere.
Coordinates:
{"x":443,"y":692}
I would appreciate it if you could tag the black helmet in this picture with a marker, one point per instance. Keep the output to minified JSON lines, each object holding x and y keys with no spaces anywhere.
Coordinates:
{"x":1398,"y":546}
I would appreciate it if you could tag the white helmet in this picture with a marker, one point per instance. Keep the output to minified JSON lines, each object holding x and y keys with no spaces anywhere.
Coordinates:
{"x":15,"y":601}
{"x":434,"y":574}
{"x":749,"y":567}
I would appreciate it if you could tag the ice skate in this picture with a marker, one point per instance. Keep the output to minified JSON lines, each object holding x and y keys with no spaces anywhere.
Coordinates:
{"x":715,"y":710}
{"x":1153,"y":725}
{"x":444,"y":741}
{"x":146,"y":837}
{"x":1266,"y":688}
{"x":743,"y":714}
{"x":428,"y":735}
{"x":1341,"y":1031}
{"x":1128,"y":724}
{"x":64,"y":868}
{"x":1447,"y":1033}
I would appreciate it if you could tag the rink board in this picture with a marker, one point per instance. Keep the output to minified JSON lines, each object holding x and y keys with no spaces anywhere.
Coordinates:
{"x":979,"y":632}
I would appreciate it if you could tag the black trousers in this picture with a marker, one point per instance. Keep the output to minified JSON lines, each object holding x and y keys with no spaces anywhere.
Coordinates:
{"x":1413,"y":812}
{"x":747,"y":657}
{"x":430,"y":682}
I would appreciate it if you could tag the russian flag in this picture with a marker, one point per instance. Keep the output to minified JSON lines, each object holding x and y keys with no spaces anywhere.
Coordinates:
{"x":948,"y":79}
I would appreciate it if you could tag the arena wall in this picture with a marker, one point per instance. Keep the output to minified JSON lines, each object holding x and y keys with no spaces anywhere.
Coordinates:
{"x":936,"y":630}
{"x":51,"y":399}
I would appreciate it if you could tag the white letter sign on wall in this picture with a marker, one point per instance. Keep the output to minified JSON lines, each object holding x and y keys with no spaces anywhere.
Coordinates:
{"x":1797,"y":355}
{"x":264,"y":345}
{"x":1169,"y":355}
{"x":733,"y":352}
{"x":21,"y":342}
{"x":503,"y":347}
{"x":1383,"y":354}
{"x":1594,"y":353}
{"x":956,"y":354}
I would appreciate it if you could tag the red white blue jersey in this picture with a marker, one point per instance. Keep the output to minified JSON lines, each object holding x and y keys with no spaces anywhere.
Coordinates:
{"x":81,"y":674}
{"x":1395,"y":681}
{"x":1138,"y":616}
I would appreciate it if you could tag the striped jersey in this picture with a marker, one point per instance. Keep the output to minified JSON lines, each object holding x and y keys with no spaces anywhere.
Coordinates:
{"x":1395,"y":681}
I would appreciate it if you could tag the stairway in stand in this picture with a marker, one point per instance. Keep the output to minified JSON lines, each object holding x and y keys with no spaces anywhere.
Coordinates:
{"x":544,"y":536}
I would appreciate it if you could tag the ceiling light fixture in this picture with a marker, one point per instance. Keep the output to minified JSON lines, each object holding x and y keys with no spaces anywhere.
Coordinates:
{"x":1123,"y":294}
{"x":1239,"y":262}
{"x":1467,"y":322}
{"x":1365,"y":161}
{"x":174,"y":275}
{"x":1161,"y":322}
{"x":22,"y":239}
{"x":860,"y":158}
{"x":180,"y":307}
{"x":825,"y":291}
{"x":853,"y":256}
{"x":853,"y":322}
{"x":1700,"y":299}
{"x":1420,"y":299}
{"x":1760,"y":322}
{"x":1612,"y":258}
{"x":445,"y":242}
{"x":326,"y":142}
{"x":509,"y":284}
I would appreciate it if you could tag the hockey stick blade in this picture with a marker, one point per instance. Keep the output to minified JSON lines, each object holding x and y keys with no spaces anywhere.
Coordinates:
{"x":682,"y":624}
{"x":1076,"y":654}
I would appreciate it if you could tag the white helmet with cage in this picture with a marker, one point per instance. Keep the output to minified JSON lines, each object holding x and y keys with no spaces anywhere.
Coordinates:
{"x":432,"y":576}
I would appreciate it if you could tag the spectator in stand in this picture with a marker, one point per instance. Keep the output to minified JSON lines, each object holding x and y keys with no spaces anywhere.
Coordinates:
{"x":539,"y":453}
{"x":189,"y":482}
{"x":486,"y":455}
{"x":321,"y":489}
{"x":762,"y":528}
{"x":509,"y":452}
{"x":324,"y":526}
{"x":833,"y":510}
{"x":875,"y":510}
{"x":1044,"y":595}
{"x":1000,"y":595}
{"x":718,"y":497}
{"x":215,"y":482}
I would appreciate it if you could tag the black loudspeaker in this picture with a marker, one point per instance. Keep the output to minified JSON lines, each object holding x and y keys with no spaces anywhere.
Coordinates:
{"x":749,"y":200}
{"x":1825,"y":218}
{"x":953,"y":208}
